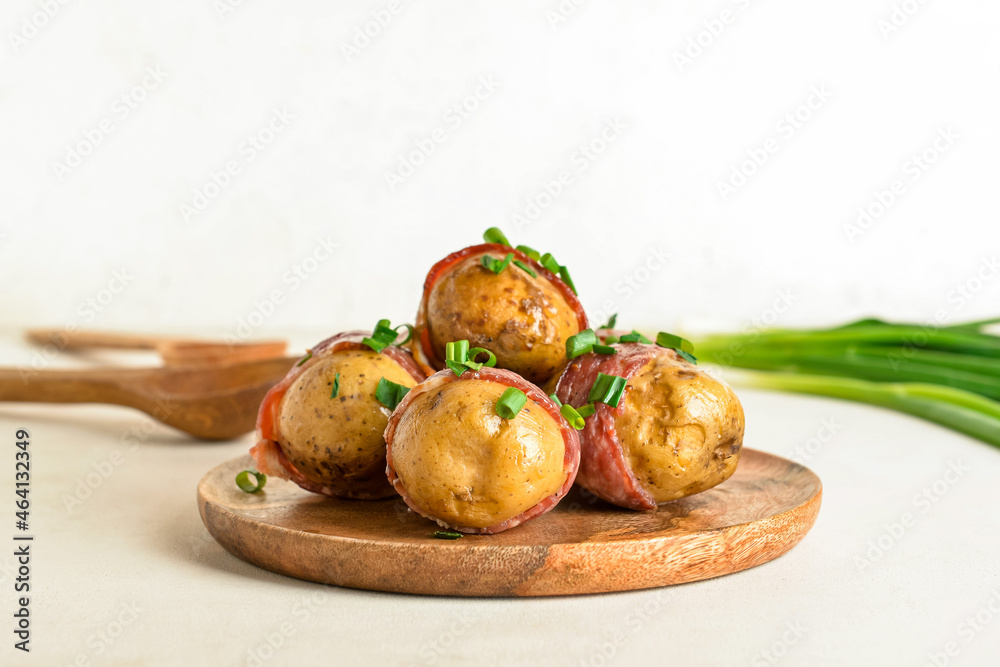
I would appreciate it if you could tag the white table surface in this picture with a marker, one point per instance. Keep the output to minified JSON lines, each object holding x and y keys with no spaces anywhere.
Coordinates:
{"x":137,"y":542}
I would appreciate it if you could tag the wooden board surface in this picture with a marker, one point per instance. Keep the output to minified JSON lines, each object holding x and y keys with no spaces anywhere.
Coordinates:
{"x":582,"y":546}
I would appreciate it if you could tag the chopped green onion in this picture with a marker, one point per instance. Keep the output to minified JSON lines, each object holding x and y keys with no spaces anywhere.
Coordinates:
{"x":586,"y":410}
{"x":511,"y":402}
{"x":669,"y":340}
{"x":527,"y":269}
{"x":611,"y":340}
{"x":447,"y":535}
{"x":555,"y":399}
{"x":457,"y":350}
{"x":610,"y":324}
{"x":494,"y":235}
{"x":549,"y":262}
{"x":304,"y":359}
{"x":471,"y":362}
{"x":389,"y":393}
{"x":635,"y":337}
{"x":530,"y":252}
{"x":604,"y":349}
{"x":496,"y":265}
{"x":383,"y":336}
{"x":580,"y":343}
{"x":409,"y":333}
{"x":682,"y":346}
{"x":564,"y":274}
{"x":459,"y":358}
{"x":572,"y":416}
{"x":243,"y":481}
{"x":336,"y":385}
{"x":607,"y":389}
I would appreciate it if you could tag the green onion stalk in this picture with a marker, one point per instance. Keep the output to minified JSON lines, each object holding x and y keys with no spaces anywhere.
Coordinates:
{"x":946,"y":375}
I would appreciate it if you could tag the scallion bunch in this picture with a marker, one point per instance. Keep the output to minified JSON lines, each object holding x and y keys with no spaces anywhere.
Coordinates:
{"x":947,"y":375}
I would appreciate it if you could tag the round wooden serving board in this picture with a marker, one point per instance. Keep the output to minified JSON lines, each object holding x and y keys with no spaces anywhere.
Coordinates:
{"x":582,"y":546}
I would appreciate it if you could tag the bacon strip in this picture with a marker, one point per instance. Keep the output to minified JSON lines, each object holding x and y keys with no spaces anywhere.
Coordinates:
{"x":422,"y":349}
{"x":571,"y":442}
{"x":603,"y":468}
{"x":267,"y":454}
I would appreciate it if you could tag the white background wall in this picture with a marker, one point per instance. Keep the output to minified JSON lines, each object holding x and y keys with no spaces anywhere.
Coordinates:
{"x":559,"y":80}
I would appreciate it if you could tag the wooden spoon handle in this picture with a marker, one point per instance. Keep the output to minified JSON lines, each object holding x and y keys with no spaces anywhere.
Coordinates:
{"x":26,"y":384}
{"x":83,"y":339}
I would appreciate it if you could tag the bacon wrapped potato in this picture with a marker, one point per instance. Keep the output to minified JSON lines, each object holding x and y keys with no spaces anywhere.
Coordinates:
{"x":321,"y":426}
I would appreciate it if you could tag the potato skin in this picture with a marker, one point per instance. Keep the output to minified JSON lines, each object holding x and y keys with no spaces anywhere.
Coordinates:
{"x":681,"y":430}
{"x":338,"y":442}
{"x":525,"y":321}
{"x":465,"y":466}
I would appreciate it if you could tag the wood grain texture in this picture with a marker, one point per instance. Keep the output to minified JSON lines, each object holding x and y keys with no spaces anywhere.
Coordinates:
{"x":582,"y":546}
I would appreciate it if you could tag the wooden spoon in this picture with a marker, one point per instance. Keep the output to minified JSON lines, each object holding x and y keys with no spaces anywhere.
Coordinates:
{"x":180,"y":352}
{"x":215,"y":403}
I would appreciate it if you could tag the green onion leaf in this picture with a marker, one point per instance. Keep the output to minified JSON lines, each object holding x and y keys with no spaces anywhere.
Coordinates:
{"x":494,"y":235}
{"x":635,"y":337}
{"x":409,"y":334}
{"x":475,"y":352}
{"x":586,"y":410}
{"x":549,"y":262}
{"x":564,"y":274}
{"x":447,"y":535}
{"x":304,"y":359}
{"x":687,"y":356}
{"x":610,"y":324}
{"x":511,"y":402}
{"x":456,"y":367}
{"x":496,"y":265}
{"x":336,"y":385}
{"x":555,"y":399}
{"x":390,"y":394}
{"x":530,"y":252}
{"x":527,"y":269}
{"x":604,"y":349}
{"x":607,"y":389}
{"x":457,"y":350}
{"x":243,"y":481}
{"x":581,"y":343}
{"x":669,"y":340}
{"x":382,"y":337}
{"x":572,"y":416}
